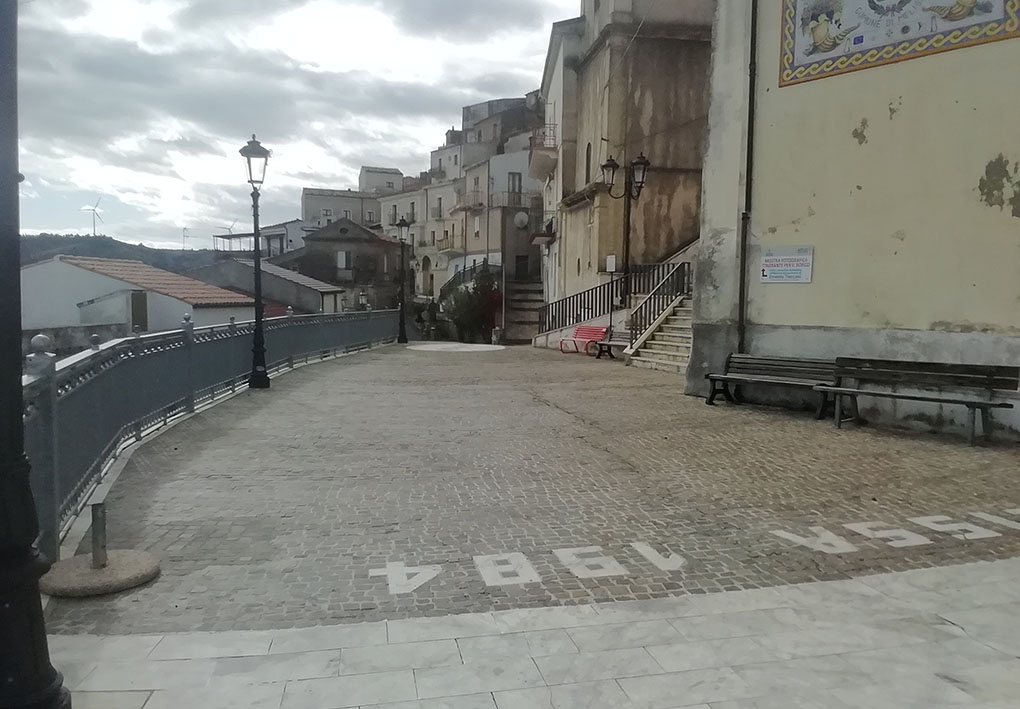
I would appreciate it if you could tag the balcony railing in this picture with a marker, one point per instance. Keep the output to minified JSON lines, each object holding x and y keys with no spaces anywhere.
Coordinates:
{"x":81,"y":412}
{"x":544,"y":136}
{"x":449,"y":243}
{"x":437,"y":213}
{"x":471,"y":201}
{"x":517,"y":200}
{"x":466,"y":276}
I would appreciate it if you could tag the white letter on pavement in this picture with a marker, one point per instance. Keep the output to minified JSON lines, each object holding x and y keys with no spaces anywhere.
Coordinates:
{"x":896,"y":537}
{"x":824,"y":541}
{"x":406,"y":579}
{"x":941,"y":523}
{"x":1007,"y":523}
{"x":589,"y":562}
{"x":506,"y":569}
{"x":673,"y":562}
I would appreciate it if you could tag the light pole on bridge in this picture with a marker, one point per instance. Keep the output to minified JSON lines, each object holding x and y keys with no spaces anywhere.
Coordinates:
{"x":257,"y":157}
{"x":27,"y":678}
{"x":402,"y":227}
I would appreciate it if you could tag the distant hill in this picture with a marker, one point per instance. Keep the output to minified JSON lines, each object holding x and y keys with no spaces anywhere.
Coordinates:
{"x":46,"y":246}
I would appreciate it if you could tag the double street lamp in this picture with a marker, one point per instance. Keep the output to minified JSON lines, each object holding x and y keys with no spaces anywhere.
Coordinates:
{"x":402,"y":227}
{"x":27,"y":678}
{"x":636,"y":174}
{"x":257,"y":157}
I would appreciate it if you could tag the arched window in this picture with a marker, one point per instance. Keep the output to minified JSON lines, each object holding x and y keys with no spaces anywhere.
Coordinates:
{"x":587,"y":165}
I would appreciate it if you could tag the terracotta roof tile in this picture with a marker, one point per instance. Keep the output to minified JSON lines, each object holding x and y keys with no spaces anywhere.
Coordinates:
{"x":150,"y":278}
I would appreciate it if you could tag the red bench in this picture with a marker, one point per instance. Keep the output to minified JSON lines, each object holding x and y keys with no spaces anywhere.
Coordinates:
{"x":587,"y":334}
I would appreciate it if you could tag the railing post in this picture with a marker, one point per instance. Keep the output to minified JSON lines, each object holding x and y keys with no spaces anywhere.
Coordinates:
{"x":95,"y":340}
{"x":290,"y":355}
{"x":188,"y":331}
{"x":43,"y":364}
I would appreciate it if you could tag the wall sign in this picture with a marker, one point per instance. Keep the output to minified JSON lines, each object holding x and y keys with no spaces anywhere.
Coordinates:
{"x":787,"y":264}
{"x":826,"y":37}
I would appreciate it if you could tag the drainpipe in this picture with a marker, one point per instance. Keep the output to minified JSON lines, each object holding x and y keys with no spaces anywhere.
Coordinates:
{"x":745,"y":217}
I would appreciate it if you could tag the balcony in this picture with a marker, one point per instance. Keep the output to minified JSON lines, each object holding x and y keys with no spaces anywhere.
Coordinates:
{"x":545,"y":152}
{"x":448,"y":244}
{"x":437,"y":213}
{"x":516,"y":200}
{"x":437,"y":173}
{"x":473,"y":201}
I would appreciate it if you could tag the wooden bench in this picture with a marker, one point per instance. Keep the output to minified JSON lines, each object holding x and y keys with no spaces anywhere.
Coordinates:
{"x":972,"y":379}
{"x":610,"y":341}
{"x":772,"y":371}
{"x":588,"y":334}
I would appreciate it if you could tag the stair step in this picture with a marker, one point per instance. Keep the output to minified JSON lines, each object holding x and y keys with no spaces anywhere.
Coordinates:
{"x":664,"y":355}
{"x":660,"y":365}
{"x":673,"y":328}
{"x":671,"y":338}
{"x":671,"y":347}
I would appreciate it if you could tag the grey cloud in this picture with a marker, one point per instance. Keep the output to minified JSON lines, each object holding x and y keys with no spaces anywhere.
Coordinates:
{"x":454,"y":18}
{"x":202,"y":13}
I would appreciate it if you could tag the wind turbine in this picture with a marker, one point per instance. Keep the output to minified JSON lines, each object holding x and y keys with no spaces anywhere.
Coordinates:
{"x":95,"y":214}
{"x":228,"y":229}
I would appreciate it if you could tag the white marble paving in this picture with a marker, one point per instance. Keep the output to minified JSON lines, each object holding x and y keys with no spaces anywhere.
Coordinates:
{"x":931,"y":638}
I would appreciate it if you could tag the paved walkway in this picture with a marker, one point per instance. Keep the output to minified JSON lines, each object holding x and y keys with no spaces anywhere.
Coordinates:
{"x":402,"y":483}
{"x":943,"y":637}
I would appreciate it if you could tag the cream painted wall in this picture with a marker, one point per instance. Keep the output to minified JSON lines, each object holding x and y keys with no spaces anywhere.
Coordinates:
{"x":51,"y":291}
{"x":879,"y":171}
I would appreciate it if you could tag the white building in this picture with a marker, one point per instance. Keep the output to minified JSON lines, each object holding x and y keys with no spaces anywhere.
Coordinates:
{"x":72,"y":291}
{"x":380,"y":180}
{"x":321,"y":207}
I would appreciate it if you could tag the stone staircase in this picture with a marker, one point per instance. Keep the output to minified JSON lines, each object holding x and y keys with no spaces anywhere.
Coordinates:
{"x":669,"y":347}
{"x":524,"y":302}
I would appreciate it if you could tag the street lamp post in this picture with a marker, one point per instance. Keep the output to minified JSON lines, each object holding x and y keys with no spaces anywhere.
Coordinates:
{"x":402,"y":227}
{"x":256,"y":157}
{"x":636,"y":175}
{"x":27,"y":679}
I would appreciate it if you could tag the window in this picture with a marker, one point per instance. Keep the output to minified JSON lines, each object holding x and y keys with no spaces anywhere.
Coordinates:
{"x":389,"y":185}
{"x":478,"y":226}
{"x":514,"y":181}
{"x":587,"y":164}
{"x":371,"y":216}
{"x":347,"y":214}
{"x":412,"y":212}
{"x":344,"y":260}
{"x":455,"y":158}
{"x":327,"y":212}
{"x":440,"y":163}
{"x":439,"y":205}
{"x":433,"y":238}
{"x":329,"y":221}
{"x":479,"y":136}
{"x":393,"y":214}
{"x":476,"y":183}
{"x":446,"y":234}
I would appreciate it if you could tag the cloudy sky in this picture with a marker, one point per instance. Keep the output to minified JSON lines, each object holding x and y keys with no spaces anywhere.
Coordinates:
{"x":145,"y":103}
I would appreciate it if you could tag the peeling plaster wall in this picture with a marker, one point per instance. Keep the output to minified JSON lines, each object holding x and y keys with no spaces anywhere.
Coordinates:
{"x":903,"y":179}
{"x":881,"y":172}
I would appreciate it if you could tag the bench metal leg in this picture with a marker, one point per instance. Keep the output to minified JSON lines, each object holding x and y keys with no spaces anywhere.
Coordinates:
{"x":838,"y":399}
{"x":972,"y":421}
{"x":855,"y":412}
{"x":986,"y":424}
{"x":712,"y":394}
{"x":822,"y":401}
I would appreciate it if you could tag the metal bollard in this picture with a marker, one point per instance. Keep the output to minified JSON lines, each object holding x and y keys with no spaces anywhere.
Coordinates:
{"x":99,"y":535}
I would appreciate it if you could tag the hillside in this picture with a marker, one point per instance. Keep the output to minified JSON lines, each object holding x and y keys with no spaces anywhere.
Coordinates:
{"x":46,"y":246}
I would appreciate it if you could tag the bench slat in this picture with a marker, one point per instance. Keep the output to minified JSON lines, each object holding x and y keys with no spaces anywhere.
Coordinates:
{"x":913,"y":397}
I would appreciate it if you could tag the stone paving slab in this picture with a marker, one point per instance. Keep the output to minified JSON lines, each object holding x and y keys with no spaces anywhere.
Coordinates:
{"x":399,"y":484}
{"x":943,"y":657}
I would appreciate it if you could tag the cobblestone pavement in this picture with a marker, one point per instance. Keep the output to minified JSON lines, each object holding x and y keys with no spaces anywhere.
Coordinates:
{"x":365,"y":488}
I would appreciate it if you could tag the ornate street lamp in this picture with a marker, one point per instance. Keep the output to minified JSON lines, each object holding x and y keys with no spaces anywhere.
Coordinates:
{"x":257,"y":157}
{"x":634,"y":183}
{"x":402,"y":227}
{"x":27,"y":679}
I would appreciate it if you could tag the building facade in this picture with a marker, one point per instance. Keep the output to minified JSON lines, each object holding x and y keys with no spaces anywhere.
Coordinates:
{"x":628,"y":77}
{"x":380,"y":180}
{"x":321,"y":207}
{"x":895,"y":180}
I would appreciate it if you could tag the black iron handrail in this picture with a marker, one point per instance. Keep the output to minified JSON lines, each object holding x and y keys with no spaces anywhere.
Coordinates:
{"x":600,"y":300}
{"x":676,"y":283}
{"x":466,"y":276}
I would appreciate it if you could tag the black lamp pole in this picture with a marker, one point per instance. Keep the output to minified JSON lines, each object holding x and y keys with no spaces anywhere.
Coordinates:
{"x":27,"y":679}
{"x":635,"y":175}
{"x":402,"y":226}
{"x":257,"y":157}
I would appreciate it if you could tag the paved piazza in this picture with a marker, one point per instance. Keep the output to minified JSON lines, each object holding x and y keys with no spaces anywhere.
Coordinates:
{"x":401,"y":483}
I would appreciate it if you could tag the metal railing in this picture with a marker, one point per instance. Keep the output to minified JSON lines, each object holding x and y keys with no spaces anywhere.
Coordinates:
{"x":523,"y":200}
{"x":544,"y":136}
{"x":465,"y":276}
{"x":437,"y":212}
{"x":676,"y":283}
{"x":600,"y":300}
{"x":80,"y":412}
{"x":469,"y":201}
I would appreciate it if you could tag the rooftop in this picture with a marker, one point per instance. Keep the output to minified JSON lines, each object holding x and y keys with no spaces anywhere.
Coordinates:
{"x":347,"y":229}
{"x":150,"y":278}
{"x":388,"y":170}
{"x":293,"y":277}
{"x":320,"y":192}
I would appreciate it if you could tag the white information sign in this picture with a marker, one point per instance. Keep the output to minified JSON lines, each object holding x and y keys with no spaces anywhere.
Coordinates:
{"x":787,"y":264}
